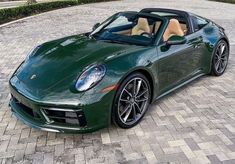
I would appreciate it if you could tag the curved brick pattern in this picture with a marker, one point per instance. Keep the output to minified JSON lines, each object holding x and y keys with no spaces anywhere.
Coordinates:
{"x":195,"y":124}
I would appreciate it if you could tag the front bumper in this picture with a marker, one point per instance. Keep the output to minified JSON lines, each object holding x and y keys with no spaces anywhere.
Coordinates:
{"x":62,"y":117}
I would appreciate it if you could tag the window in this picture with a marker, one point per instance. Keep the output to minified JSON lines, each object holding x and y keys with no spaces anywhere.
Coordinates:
{"x":181,"y":18}
{"x":164,"y":14}
{"x":128,"y":28}
{"x":120,"y":21}
{"x":198,"y":23}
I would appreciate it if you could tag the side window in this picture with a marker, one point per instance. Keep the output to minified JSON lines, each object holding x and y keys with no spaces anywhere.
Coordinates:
{"x":198,"y":23}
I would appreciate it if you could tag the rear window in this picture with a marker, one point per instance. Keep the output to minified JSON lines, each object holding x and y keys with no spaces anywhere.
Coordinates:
{"x":181,"y":18}
{"x":199,"y":23}
{"x":164,"y":14}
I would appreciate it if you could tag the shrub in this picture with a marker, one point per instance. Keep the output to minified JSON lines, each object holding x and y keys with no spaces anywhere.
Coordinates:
{"x":10,"y":14}
{"x":226,"y":1}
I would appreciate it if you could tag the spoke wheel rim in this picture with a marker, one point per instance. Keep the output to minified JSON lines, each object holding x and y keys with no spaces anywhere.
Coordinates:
{"x":221,"y":57}
{"x":133,"y":101}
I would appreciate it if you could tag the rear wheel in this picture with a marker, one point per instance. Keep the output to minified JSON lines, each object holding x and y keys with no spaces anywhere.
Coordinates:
{"x":220,"y":58}
{"x":131,"y":101}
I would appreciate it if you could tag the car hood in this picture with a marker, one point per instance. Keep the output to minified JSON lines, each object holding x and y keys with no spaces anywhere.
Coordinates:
{"x":56,"y":65}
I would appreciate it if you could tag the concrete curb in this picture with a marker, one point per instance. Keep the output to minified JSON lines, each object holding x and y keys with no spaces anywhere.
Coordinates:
{"x":32,"y":16}
{"x":18,"y":20}
{"x":29,"y":17}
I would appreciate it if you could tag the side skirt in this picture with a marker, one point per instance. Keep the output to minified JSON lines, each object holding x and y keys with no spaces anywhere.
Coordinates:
{"x":179,"y":86}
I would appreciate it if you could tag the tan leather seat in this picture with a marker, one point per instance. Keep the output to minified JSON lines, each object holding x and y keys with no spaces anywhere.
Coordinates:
{"x":184,"y":28}
{"x":141,"y":27}
{"x":173,"y":28}
{"x":157,"y":26}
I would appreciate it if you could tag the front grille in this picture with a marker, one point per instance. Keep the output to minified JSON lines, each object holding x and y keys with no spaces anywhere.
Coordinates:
{"x":26,"y":109}
{"x":54,"y":115}
{"x":66,"y":117}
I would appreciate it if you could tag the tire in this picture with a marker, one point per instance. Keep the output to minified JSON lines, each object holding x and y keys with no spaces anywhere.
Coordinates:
{"x":130,"y":105}
{"x":220,"y":58}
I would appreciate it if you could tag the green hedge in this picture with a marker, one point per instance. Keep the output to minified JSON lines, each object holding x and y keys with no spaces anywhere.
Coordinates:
{"x":10,"y":14}
{"x":226,"y":1}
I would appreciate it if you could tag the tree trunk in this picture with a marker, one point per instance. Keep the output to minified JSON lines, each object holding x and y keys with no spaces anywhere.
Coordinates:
{"x":31,"y":1}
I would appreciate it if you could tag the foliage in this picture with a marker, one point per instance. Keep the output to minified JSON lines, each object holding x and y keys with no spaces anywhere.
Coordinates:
{"x":226,"y":1}
{"x":10,"y":14}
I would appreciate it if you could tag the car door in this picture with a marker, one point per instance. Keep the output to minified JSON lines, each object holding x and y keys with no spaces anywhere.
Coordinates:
{"x":195,"y":40}
{"x":178,"y":63}
{"x":175,"y":64}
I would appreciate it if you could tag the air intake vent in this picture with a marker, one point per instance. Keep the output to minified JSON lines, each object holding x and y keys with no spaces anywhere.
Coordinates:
{"x":26,"y":109}
{"x":65,"y":116}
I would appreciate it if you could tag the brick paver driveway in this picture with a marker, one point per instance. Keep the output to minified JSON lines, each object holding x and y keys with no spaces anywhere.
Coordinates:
{"x":195,"y":124}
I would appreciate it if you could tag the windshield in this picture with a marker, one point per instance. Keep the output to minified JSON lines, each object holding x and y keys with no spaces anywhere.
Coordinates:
{"x":128,"y":28}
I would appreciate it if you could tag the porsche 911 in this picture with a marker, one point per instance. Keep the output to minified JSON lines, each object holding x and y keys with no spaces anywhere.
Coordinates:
{"x":112,"y":74}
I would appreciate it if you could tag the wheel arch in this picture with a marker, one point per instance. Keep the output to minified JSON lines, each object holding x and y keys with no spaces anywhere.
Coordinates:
{"x":142,"y":70}
{"x":215,"y":44}
{"x":226,"y":40}
{"x":147,"y":74}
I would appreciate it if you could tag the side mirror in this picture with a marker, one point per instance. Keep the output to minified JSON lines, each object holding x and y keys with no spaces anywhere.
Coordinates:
{"x":176,"y":40}
{"x":95,"y":26}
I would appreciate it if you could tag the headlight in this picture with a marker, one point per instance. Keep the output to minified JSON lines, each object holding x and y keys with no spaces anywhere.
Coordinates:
{"x":90,"y":77}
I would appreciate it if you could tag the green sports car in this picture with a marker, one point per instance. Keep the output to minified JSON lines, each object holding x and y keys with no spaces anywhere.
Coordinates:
{"x":85,"y":82}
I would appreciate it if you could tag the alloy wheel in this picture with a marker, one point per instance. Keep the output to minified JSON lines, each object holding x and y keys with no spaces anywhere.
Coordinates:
{"x":221,"y":57}
{"x":133,"y":101}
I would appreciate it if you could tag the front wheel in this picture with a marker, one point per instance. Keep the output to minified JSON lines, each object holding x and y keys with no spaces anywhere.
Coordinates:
{"x":131,"y":101}
{"x":220,"y":58}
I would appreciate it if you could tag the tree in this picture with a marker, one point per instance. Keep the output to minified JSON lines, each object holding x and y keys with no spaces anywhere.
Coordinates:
{"x":31,"y":1}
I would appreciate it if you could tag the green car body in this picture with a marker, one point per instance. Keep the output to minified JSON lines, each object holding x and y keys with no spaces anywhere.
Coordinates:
{"x":46,"y":80}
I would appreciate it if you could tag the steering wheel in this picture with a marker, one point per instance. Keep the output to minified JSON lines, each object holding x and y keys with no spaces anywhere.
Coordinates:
{"x":146,"y":34}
